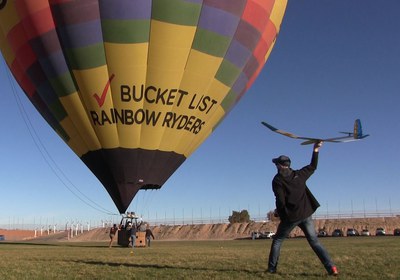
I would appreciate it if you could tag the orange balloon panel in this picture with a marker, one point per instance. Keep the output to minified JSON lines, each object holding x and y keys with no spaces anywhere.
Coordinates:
{"x":135,"y":86}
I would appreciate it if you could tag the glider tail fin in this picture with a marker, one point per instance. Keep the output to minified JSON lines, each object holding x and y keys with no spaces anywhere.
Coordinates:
{"x":358,"y":130}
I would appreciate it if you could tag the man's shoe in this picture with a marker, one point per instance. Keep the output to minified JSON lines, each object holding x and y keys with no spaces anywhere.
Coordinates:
{"x":271,"y":270}
{"x":333,"y":271}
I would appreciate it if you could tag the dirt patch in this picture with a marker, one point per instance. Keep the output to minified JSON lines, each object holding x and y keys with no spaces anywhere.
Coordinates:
{"x":98,"y":234}
{"x":14,"y":235}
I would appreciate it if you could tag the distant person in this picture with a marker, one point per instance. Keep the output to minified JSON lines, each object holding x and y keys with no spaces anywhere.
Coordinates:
{"x":295,"y":204}
{"x":113,"y":231}
{"x":131,"y":229}
{"x":149,"y":235}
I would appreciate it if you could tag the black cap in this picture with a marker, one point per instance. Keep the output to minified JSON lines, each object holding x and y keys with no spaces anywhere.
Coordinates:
{"x":282,"y":160}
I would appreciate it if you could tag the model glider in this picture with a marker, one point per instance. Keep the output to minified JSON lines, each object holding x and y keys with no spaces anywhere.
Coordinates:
{"x":350,"y":136}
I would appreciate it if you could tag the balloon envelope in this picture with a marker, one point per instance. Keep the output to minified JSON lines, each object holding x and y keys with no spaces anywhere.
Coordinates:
{"x":135,"y":86}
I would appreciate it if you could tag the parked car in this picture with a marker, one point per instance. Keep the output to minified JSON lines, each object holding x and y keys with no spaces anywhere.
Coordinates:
{"x":337,"y":233}
{"x":396,"y":232}
{"x":352,"y":232}
{"x":267,"y":234}
{"x":255,"y":235}
{"x":380,"y":232}
{"x":322,"y":233}
{"x":365,"y":232}
{"x":262,"y":235}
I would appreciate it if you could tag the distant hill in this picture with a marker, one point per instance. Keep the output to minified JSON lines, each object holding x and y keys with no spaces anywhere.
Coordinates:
{"x":213,"y":231}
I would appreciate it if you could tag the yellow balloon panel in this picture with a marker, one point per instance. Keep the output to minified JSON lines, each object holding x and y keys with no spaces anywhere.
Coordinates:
{"x":127,"y":64}
{"x":78,"y":125}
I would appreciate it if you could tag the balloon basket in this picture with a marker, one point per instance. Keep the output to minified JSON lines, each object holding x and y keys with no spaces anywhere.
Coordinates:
{"x":124,"y":235}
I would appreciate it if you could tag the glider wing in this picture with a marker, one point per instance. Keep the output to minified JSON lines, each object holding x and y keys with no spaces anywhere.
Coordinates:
{"x":351,"y":136}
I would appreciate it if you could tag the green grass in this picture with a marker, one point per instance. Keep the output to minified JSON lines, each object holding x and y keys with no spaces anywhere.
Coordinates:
{"x":356,"y":258}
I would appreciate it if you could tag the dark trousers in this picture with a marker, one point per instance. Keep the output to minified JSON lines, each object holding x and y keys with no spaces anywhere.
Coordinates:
{"x":307,"y":226}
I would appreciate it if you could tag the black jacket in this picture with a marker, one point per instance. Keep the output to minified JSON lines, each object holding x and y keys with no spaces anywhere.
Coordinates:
{"x":294,"y":201}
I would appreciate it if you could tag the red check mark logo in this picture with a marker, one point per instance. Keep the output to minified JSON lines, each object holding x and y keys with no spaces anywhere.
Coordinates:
{"x":101,"y":99}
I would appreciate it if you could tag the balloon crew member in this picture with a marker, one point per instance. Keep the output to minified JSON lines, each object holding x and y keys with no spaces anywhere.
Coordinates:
{"x":113,"y":231}
{"x":149,"y":235}
{"x":131,"y":229}
{"x":295,"y":205}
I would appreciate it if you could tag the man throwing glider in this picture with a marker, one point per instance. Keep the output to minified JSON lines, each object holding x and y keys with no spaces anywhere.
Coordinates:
{"x":295,"y":204}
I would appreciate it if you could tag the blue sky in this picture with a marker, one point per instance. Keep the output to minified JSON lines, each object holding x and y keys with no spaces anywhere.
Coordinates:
{"x":334,"y":61}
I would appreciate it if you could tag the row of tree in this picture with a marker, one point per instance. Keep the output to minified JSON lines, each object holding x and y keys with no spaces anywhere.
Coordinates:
{"x":244,"y":217}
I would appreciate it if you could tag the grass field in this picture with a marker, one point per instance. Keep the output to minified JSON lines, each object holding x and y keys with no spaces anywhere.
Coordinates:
{"x":356,"y":258}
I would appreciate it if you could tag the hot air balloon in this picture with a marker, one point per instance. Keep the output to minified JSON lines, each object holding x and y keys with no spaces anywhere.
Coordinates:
{"x":135,"y":86}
